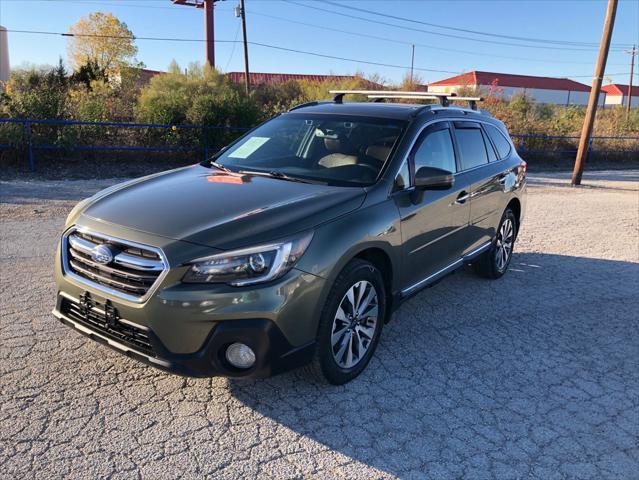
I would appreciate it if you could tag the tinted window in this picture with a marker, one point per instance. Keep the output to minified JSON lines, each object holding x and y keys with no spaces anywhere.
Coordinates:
{"x":501,"y":142}
{"x":336,"y":149}
{"x":436,"y":150}
{"x":489,"y":147}
{"x":471,"y":147}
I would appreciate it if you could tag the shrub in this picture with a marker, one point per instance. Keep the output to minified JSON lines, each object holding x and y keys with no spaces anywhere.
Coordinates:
{"x":37,"y":93}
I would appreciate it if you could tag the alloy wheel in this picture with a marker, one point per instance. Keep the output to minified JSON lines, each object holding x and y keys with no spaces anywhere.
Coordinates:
{"x":354,"y":324}
{"x":504,"y":244}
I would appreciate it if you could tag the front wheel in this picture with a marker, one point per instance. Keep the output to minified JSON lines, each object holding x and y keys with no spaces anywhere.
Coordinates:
{"x":495,"y":262}
{"x":351,"y":324}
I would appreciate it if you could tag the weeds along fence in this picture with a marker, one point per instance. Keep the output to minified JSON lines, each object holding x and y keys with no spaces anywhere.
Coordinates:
{"x":33,"y":138}
{"x":556,"y":147}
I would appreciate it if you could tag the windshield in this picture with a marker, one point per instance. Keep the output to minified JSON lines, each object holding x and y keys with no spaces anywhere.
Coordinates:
{"x":333,"y":149}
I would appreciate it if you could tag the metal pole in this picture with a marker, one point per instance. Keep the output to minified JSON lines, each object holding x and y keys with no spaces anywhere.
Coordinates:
{"x":412,"y":63}
{"x":209,"y":28}
{"x":246,"y":58}
{"x":27,"y":129}
{"x":632,"y":68}
{"x":586,"y":131}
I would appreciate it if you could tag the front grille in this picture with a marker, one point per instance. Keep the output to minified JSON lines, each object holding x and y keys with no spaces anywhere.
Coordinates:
{"x":131,"y":272}
{"x":102,"y":318}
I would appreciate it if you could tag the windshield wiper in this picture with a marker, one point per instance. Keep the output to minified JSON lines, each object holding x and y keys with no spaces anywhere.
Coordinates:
{"x":280,"y":175}
{"x":219,"y":166}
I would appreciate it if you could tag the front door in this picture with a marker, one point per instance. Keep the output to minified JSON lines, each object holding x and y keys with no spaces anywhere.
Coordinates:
{"x":433,"y":222}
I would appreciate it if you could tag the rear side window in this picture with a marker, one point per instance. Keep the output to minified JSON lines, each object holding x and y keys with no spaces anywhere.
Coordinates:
{"x":489,"y":148}
{"x":436,"y":150}
{"x":501,"y":142}
{"x":471,"y":146}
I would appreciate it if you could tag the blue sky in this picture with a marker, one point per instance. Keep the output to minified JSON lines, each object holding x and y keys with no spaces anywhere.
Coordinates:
{"x":273,"y":22}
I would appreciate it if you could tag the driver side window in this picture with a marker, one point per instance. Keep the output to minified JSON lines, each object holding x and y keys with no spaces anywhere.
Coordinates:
{"x":436,"y":150}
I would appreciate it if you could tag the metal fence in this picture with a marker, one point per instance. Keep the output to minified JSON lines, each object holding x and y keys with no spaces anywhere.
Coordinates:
{"x":34,"y":136}
{"x":199,"y":140}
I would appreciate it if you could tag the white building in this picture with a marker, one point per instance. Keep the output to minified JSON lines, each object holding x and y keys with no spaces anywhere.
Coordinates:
{"x":560,"y":91}
{"x":617,"y":94}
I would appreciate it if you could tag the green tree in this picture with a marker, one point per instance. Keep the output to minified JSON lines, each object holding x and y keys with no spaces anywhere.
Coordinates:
{"x":88,"y":72}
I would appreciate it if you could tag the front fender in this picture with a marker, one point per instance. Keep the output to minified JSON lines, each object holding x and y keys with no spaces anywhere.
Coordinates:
{"x":336,"y":243}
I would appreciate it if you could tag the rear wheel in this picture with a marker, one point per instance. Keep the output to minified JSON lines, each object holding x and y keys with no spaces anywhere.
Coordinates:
{"x":351,"y":324}
{"x":495,"y":262}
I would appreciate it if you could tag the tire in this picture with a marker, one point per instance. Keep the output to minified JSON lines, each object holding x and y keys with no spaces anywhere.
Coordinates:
{"x":338,"y":334}
{"x":494,"y":263}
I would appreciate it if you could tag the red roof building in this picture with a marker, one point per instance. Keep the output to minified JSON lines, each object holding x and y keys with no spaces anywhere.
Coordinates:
{"x":562,"y":91}
{"x":617,"y":94}
{"x":477,"y":78}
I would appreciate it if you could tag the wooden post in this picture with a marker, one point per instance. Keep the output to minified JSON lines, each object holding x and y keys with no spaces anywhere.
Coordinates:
{"x":593,"y":100}
{"x":632,"y":69}
{"x":247,"y":80}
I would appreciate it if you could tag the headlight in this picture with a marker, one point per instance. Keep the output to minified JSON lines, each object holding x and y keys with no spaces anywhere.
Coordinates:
{"x":249,"y":265}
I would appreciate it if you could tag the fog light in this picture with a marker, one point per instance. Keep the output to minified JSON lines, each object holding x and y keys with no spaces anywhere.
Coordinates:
{"x":240,"y":355}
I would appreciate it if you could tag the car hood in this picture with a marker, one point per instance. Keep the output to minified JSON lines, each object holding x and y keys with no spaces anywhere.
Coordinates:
{"x":209,"y":207}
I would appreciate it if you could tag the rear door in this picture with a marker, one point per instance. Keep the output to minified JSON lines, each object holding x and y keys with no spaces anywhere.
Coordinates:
{"x":485,"y":175}
{"x":433,"y":222}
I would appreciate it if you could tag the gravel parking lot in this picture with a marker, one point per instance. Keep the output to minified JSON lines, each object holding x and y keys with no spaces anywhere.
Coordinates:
{"x":535,"y":375}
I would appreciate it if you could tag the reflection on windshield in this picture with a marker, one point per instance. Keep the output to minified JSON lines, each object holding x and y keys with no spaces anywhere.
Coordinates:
{"x":333,"y":149}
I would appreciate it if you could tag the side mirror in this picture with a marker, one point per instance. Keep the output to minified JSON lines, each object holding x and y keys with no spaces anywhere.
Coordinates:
{"x":431,"y":178}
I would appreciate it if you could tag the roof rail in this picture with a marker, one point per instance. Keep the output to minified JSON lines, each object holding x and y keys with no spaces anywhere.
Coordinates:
{"x":444,"y":98}
{"x":339,"y":94}
{"x":302,"y":105}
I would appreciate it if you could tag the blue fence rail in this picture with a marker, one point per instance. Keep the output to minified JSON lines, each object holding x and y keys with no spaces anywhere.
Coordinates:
{"x":525,"y":143}
{"x":32,"y":146}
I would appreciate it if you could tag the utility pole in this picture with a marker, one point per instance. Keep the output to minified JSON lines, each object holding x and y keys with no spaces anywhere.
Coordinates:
{"x":246,"y":58}
{"x":595,"y":90}
{"x":209,"y":25}
{"x":632,"y":72}
{"x":412,"y":63}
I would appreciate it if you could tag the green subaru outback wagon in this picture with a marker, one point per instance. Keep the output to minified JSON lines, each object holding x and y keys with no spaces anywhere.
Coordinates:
{"x":293,"y":245}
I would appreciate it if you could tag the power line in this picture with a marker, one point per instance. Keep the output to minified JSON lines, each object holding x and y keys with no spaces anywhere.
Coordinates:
{"x":465,"y":30}
{"x":607,"y":74}
{"x":430,"y":32}
{"x":265,"y":45}
{"x":407,"y":43}
{"x":235,"y":42}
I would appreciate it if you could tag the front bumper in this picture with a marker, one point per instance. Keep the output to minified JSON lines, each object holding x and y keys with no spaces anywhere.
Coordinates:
{"x":274,"y":354}
{"x":185,"y":328}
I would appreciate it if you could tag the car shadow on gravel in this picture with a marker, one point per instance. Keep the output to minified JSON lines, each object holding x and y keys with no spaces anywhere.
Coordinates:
{"x":534,"y":374}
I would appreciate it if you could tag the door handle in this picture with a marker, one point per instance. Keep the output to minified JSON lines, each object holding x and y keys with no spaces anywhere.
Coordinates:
{"x":503,"y":178}
{"x":462,"y":197}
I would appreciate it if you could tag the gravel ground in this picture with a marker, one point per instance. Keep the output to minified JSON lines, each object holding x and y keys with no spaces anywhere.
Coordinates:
{"x":532,"y":376}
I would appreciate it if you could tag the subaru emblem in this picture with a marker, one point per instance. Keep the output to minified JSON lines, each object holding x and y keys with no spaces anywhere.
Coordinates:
{"x":102,"y":254}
